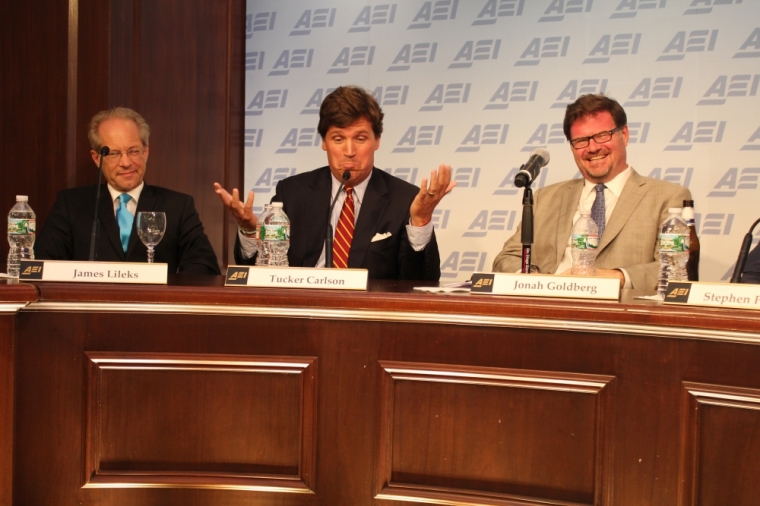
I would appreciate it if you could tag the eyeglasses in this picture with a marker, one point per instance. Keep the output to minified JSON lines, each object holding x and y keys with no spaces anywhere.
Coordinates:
{"x":133,"y":153}
{"x":600,"y":138}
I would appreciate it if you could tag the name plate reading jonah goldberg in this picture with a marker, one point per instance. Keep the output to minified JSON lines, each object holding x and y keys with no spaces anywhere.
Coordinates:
{"x":93,"y":272}
{"x":297,"y":277}
{"x":544,"y":285}
{"x":713,"y":294}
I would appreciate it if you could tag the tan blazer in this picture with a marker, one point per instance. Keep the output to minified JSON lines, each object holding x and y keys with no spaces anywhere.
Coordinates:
{"x":630,"y":238}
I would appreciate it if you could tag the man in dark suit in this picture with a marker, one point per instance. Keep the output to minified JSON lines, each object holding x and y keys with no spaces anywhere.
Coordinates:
{"x":393,"y":235}
{"x":66,"y":234}
{"x":751,"y":271}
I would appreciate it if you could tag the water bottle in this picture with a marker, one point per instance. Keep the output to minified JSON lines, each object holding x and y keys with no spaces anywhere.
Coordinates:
{"x":263,"y":256}
{"x":692,"y":266}
{"x":22,"y":224}
{"x":275,"y":236}
{"x":585,"y":241}
{"x":674,"y":250}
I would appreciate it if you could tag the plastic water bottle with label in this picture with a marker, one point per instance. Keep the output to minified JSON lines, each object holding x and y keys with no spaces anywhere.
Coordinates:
{"x":262,"y":258}
{"x":585,"y":241}
{"x":274,"y":233}
{"x":22,"y":226}
{"x":674,"y":250}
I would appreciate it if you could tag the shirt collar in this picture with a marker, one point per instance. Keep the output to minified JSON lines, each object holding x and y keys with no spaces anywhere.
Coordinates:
{"x":615,"y":186}
{"x":359,"y":189}
{"x":134,"y":193}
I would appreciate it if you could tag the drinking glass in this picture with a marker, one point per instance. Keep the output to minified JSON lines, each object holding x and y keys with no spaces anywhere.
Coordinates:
{"x":151,"y":226}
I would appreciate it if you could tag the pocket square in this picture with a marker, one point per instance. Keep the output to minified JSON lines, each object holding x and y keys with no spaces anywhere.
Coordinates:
{"x":380,"y":237}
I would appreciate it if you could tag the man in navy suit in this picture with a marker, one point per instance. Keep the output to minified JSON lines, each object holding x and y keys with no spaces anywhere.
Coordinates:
{"x":67,"y":230}
{"x":393,"y":236}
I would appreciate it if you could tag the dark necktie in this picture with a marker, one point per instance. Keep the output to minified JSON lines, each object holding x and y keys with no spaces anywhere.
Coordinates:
{"x":124,"y":218}
{"x":344,"y":232}
{"x":598,"y":209}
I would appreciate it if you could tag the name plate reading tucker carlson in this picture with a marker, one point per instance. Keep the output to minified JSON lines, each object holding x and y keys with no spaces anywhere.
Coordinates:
{"x":713,"y":294}
{"x":544,"y":285}
{"x":297,"y":277}
{"x":93,"y":272}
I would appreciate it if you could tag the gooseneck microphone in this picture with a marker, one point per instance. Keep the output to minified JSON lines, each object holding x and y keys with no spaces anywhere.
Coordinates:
{"x":329,"y":237}
{"x":529,"y":171}
{"x":95,"y":223}
{"x":743,"y":252}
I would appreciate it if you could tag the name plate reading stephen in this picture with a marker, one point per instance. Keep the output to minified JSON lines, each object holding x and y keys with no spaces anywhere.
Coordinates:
{"x":544,"y":285}
{"x":713,"y":294}
{"x":297,"y":277}
{"x":93,"y":272}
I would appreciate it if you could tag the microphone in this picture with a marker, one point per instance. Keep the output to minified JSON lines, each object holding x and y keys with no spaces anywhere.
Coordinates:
{"x":743,"y":252}
{"x":95,"y":223}
{"x":329,"y":237}
{"x":529,"y":171}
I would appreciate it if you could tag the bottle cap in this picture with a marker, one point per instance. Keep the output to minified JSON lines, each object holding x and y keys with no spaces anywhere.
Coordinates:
{"x":22,"y":198}
{"x":688,"y":203}
{"x":276,"y":204}
{"x":674,"y":210}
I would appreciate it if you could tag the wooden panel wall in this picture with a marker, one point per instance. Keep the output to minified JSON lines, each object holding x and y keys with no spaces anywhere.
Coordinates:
{"x":178,"y":62}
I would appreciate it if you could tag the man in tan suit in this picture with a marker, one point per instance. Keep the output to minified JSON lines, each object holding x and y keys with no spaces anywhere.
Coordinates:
{"x":631,"y":207}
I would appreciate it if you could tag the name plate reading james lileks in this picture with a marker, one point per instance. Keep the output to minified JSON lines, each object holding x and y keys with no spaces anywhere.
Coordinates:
{"x":713,"y":294}
{"x":544,"y":285}
{"x":297,"y":277}
{"x":93,"y":272}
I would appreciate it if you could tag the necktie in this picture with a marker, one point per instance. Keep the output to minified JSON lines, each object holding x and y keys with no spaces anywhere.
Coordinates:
{"x":344,"y":232}
{"x":598,"y":210}
{"x":124,"y":218}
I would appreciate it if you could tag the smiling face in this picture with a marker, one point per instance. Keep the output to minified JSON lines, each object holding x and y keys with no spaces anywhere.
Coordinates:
{"x":600,"y":163}
{"x":126,"y":173}
{"x":351,"y":148}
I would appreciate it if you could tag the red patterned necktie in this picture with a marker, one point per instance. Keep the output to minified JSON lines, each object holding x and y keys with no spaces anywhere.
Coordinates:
{"x":344,"y":232}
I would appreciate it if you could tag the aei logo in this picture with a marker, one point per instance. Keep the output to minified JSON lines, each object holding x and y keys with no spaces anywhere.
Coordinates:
{"x":261,"y":22}
{"x":423,"y":52}
{"x":299,"y":138}
{"x":558,"y":8}
{"x":733,"y":180}
{"x":252,"y":137}
{"x":440,"y":218}
{"x":705,"y":6}
{"x":744,"y":85}
{"x":521,"y":91}
{"x":638,"y":132}
{"x":483,"y":135}
{"x":491,"y":221}
{"x":292,"y":59}
{"x":456,"y":93}
{"x":377,"y":15}
{"x":577,"y":87}
{"x":507,"y":185}
{"x":548,"y":47}
{"x":466,"y":177}
{"x":753,"y":143}
{"x":408,"y":174}
{"x":356,"y":56}
{"x":465,"y":262}
{"x":314,"y":18}
{"x":751,"y":46}
{"x":438,"y":10}
{"x":702,"y":132}
{"x":621,"y":44}
{"x":272,"y":99}
{"x":652,"y":88}
{"x":497,"y":9}
{"x":472,"y":51}
{"x":630,"y":8}
{"x":391,"y":95}
{"x":312,"y":106}
{"x":544,"y":135}
{"x":254,"y":60}
{"x":696,"y":41}
{"x":678,"y":175}
{"x":270,"y":177}
{"x":419,"y":136}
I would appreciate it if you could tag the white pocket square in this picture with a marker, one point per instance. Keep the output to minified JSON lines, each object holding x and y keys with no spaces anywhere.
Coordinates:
{"x":380,"y":237}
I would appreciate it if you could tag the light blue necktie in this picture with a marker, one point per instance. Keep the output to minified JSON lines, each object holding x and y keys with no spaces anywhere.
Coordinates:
{"x":598,"y":209}
{"x":124,"y":218}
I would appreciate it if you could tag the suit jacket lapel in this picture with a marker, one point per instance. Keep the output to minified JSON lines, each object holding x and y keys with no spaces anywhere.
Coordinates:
{"x":633,"y":191}
{"x":108,"y":225}
{"x":565,"y":213}
{"x":373,"y":206}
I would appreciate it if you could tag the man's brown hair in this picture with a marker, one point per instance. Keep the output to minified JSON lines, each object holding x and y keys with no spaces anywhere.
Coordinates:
{"x":591,"y":105}
{"x":345,"y":106}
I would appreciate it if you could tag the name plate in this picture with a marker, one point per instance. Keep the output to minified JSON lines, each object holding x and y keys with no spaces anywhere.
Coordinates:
{"x":297,"y":277}
{"x":93,"y":272}
{"x":545,"y":285}
{"x":713,"y":294}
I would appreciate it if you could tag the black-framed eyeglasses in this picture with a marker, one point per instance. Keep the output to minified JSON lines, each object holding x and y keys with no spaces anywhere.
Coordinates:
{"x":600,"y":138}
{"x":132,"y":153}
